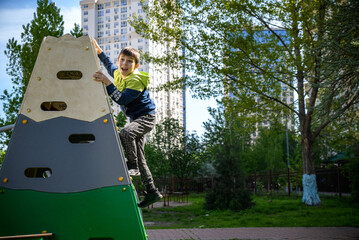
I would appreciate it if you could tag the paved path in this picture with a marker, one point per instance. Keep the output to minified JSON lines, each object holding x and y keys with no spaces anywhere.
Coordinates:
{"x":299,"y":233}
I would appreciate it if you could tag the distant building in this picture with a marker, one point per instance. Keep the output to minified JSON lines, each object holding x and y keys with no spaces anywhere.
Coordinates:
{"x":107,"y":22}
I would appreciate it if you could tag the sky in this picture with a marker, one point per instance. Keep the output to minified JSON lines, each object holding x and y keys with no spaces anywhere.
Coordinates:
{"x":15,"y":14}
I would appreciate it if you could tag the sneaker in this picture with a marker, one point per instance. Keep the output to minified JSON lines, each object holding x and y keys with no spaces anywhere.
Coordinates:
{"x":150,"y":198}
{"x":134,"y":172}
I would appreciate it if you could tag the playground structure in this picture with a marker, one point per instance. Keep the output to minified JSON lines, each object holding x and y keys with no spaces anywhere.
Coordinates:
{"x":64,"y":174}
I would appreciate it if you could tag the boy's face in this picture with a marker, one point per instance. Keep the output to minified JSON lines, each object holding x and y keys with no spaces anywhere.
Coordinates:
{"x":126,"y":65}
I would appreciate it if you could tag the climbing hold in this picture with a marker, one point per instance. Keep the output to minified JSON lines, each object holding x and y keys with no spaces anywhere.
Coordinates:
{"x":105,"y":120}
{"x":120,"y":179}
{"x":5,"y":180}
{"x":123,"y":189}
{"x":24,"y":121}
{"x":131,"y":178}
{"x":44,"y":231}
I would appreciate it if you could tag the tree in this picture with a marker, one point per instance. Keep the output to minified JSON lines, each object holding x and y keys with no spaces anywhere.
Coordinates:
{"x":77,"y":31}
{"x":121,"y":119}
{"x":22,"y":56}
{"x":172,"y":151}
{"x":255,"y":49}
{"x":224,"y":139}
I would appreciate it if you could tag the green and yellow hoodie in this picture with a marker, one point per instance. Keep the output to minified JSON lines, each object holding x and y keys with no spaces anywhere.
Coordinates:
{"x":131,"y":92}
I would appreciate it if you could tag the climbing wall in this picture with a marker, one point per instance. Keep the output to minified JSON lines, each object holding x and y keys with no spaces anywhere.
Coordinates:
{"x":64,"y":170}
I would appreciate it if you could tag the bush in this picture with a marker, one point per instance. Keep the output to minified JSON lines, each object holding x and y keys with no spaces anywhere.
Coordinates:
{"x":226,"y":196}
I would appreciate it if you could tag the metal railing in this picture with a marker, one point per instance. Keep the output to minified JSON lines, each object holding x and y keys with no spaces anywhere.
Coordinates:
{"x":6,"y":128}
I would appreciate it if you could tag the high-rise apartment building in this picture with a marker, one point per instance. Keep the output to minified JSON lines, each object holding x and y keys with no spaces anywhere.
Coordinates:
{"x":107,"y":22}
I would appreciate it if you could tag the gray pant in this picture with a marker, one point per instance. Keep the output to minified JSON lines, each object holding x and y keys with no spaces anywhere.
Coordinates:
{"x":133,"y":141}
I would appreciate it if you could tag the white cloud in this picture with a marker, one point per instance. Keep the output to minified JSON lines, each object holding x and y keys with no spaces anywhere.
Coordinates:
{"x":71,"y":16}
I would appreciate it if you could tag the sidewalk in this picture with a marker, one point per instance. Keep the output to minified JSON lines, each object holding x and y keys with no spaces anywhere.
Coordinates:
{"x":314,"y":233}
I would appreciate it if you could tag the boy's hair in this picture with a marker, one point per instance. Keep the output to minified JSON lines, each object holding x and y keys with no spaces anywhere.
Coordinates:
{"x":131,"y":52}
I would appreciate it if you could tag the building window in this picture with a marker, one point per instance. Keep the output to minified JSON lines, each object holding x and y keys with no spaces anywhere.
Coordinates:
{"x":116,"y":45}
{"x":99,"y":6}
{"x":108,"y":25}
{"x":86,"y":27}
{"x":86,"y":13}
{"x":86,"y":19}
{"x":108,"y":33}
{"x":115,"y":10}
{"x":101,"y":41}
{"x":108,"y":4}
{"x":140,"y":40}
{"x":100,"y":27}
{"x":123,"y":38}
{"x":140,"y":48}
{"x":140,"y":11}
{"x":124,"y":10}
{"x":123,"y":16}
{"x":116,"y":4}
{"x":86,"y":6}
{"x":123,"y":24}
{"x":123,"y":45}
{"x":100,"y":34}
{"x":100,"y":20}
{"x":100,"y":13}
{"x":108,"y":18}
{"x":115,"y":32}
{"x":139,"y":4}
{"x":108,"y":47}
{"x":123,"y":30}
{"x":116,"y":17}
{"x":115,"y":25}
{"x":117,"y":39}
{"x":108,"y":11}
{"x":108,"y":40}
{"x":123,"y":2}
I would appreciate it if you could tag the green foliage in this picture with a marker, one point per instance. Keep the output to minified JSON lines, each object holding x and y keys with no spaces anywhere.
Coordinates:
{"x":172,"y":151}
{"x":121,"y":119}
{"x":269,"y":151}
{"x":77,"y":31}
{"x":224,"y":139}
{"x":22,"y":56}
{"x":2,"y":156}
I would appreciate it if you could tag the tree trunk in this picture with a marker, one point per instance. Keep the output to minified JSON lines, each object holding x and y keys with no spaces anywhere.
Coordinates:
{"x":310,"y":189}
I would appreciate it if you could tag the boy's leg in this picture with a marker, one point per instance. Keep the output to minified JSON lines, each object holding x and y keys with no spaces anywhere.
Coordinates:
{"x":131,"y":133}
{"x":152,"y":194}
{"x":146,"y":176}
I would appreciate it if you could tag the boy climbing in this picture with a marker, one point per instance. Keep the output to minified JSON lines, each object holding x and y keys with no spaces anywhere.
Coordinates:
{"x":129,"y":90}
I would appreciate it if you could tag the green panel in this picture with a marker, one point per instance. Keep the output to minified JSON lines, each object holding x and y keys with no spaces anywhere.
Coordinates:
{"x":110,"y":212}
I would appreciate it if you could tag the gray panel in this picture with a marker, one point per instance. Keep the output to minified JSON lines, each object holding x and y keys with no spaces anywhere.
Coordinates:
{"x":75,"y":166}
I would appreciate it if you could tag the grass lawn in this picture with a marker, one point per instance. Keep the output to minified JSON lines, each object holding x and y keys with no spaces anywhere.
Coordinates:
{"x":276,"y":211}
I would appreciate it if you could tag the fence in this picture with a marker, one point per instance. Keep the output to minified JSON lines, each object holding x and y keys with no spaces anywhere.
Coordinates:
{"x":329,"y":180}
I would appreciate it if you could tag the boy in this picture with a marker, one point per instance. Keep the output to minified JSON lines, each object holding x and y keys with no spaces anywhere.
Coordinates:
{"x":129,"y":90}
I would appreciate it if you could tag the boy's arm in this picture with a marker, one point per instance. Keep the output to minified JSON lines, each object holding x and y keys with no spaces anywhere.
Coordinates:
{"x":110,"y":67}
{"x":122,"y":98}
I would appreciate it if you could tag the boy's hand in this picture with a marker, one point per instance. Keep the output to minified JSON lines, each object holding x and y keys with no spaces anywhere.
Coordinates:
{"x":100,"y":77}
{"x":98,"y":49}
